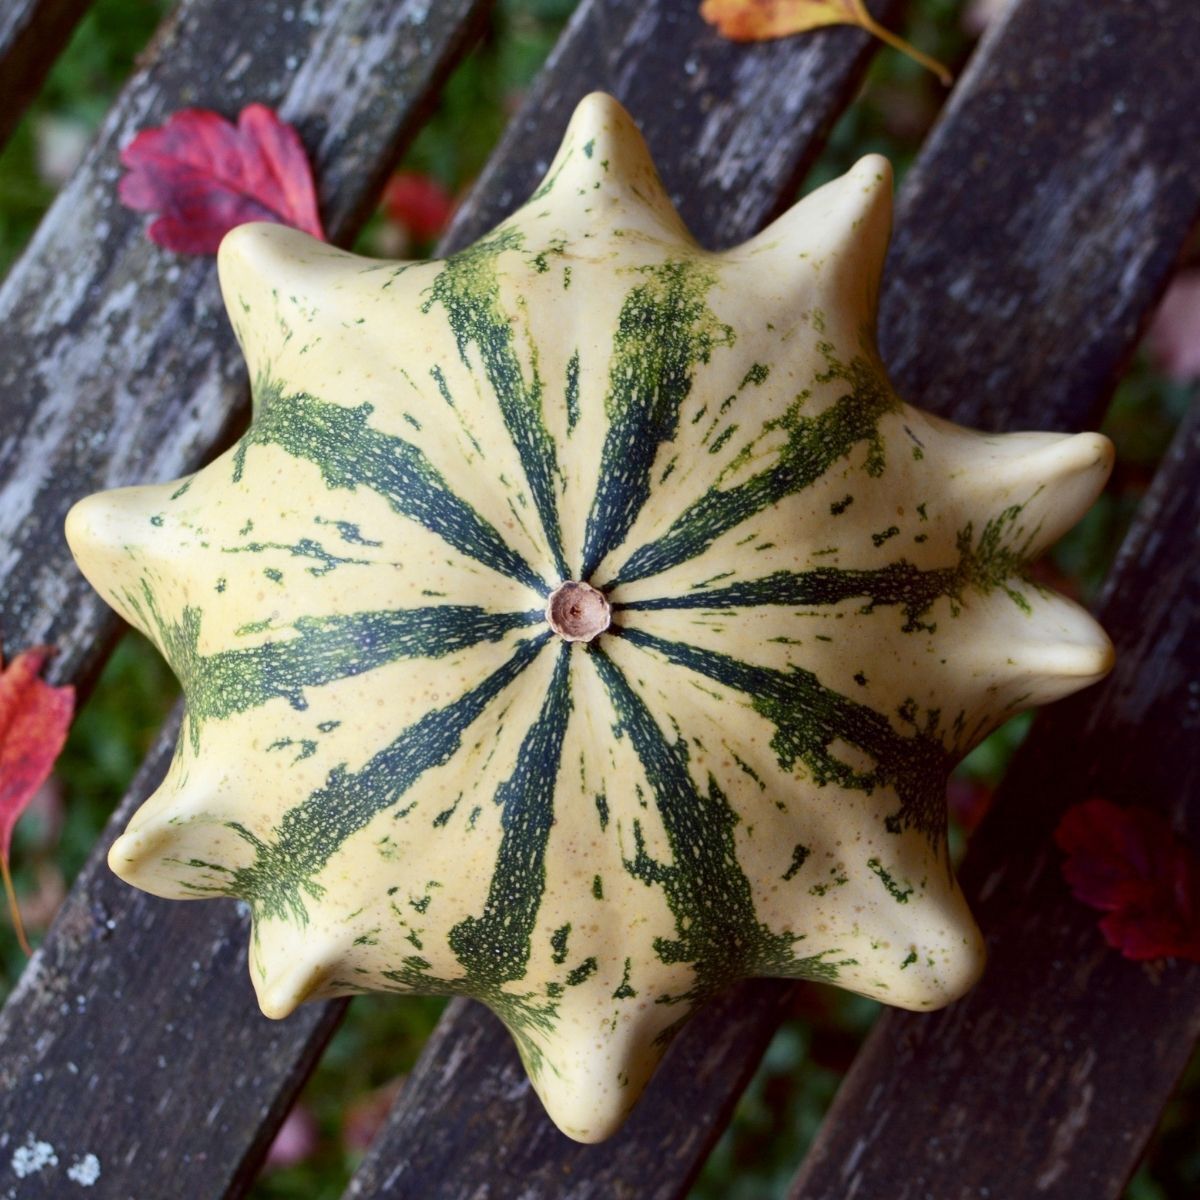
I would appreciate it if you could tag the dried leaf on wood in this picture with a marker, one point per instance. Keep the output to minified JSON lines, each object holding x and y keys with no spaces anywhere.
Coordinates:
{"x":34,"y":719}
{"x":1128,"y":863}
{"x":761,"y":20}
{"x":204,"y":176}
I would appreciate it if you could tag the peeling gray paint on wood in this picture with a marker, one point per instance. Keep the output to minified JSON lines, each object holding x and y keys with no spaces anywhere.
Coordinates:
{"x":32,"y":35}
{"x":117,"y":364}
{"x":133,"y":1038}
{"x":133,"y":1035}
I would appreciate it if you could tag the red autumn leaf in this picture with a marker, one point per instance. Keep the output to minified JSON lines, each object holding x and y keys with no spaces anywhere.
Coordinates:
{"x":418,"y":203}
{"x":969,"y":801}
{"x":1174,"y":334}
{"x":34,"y":718}
{"x":204,"y":176}
{"x":1128,"y":863}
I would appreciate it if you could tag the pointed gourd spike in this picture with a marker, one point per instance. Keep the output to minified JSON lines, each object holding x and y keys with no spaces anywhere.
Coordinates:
{"x":1021,"y":646}
{"x":904,"y":892}
{"x":274,"y":278}
{"x":1046,"y":647}
{"x":113,"y":538}
{"x":603,"y":174}
{"x":292,"y":978}
{"x":145,"y":854}
{"x":834,"y":241}
{"x":588,"y":1088}
{"x":184,"y":843}
{"x":1039,"y":484}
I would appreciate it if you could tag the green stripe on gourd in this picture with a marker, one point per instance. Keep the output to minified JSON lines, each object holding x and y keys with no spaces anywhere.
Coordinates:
{"x":285,"y":867}
{"x":468,"y":287}
{"x":350,"y":454}
{"x":664,"y":332}
{"x":325,"y":649}
{"x":813,"y":445}
{"x":983,"y":565}
{"x":809,"y":717}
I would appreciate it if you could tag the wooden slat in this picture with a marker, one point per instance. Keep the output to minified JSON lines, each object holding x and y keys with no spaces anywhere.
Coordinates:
{"x":1048,"y":1079}
{"x":134,"y":1036}
{"x":1113,"y":245}
{"x":32,"y":35}
{"x":117,"y":364}
{"x":425,"y":1149}
{"x":1045,"y":213}
{"x":1091,"y":1045}
{"x":732,"y":129}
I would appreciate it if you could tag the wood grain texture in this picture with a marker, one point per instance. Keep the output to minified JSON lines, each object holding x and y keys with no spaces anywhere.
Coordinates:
{"x":117,"y":364}
{"x":425,"y":1149}
{"x":973,"y":178}
{"x":1049,"y":1077}
{"x":32,"y":35}
{"x":134,"y":1036}
{"x":733,"y":128}
{"x":1045,"y":213}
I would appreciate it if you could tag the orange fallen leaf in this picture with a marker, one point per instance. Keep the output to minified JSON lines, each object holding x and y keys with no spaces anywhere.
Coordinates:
{"x":761,"y":20}
{"x":34,"y":718}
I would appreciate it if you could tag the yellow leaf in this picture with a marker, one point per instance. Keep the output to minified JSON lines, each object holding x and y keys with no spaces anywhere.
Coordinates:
{"x":761,"y":20}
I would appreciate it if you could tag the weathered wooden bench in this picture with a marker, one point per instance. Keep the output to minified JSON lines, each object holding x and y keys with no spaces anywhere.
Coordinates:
{"x":1033,"y":236}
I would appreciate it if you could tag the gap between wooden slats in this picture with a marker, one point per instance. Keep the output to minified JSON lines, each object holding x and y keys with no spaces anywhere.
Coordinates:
{"x":33,"y":33}
{"x":134,"y":1034}
{"x":733,"y":128}
{"x":976,"y":209}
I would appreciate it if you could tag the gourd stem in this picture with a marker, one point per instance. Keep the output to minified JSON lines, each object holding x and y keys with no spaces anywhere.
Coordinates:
{"x":577,"y":612}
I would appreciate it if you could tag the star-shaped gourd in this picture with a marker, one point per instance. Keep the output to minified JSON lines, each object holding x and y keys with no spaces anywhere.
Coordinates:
{"x":583,"y":623}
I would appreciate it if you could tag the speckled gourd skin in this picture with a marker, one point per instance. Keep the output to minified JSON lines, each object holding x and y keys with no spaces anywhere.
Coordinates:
{"x":819,"y":603}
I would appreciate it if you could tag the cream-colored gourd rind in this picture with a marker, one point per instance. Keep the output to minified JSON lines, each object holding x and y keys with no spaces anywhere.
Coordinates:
{"x":724,"y":757}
